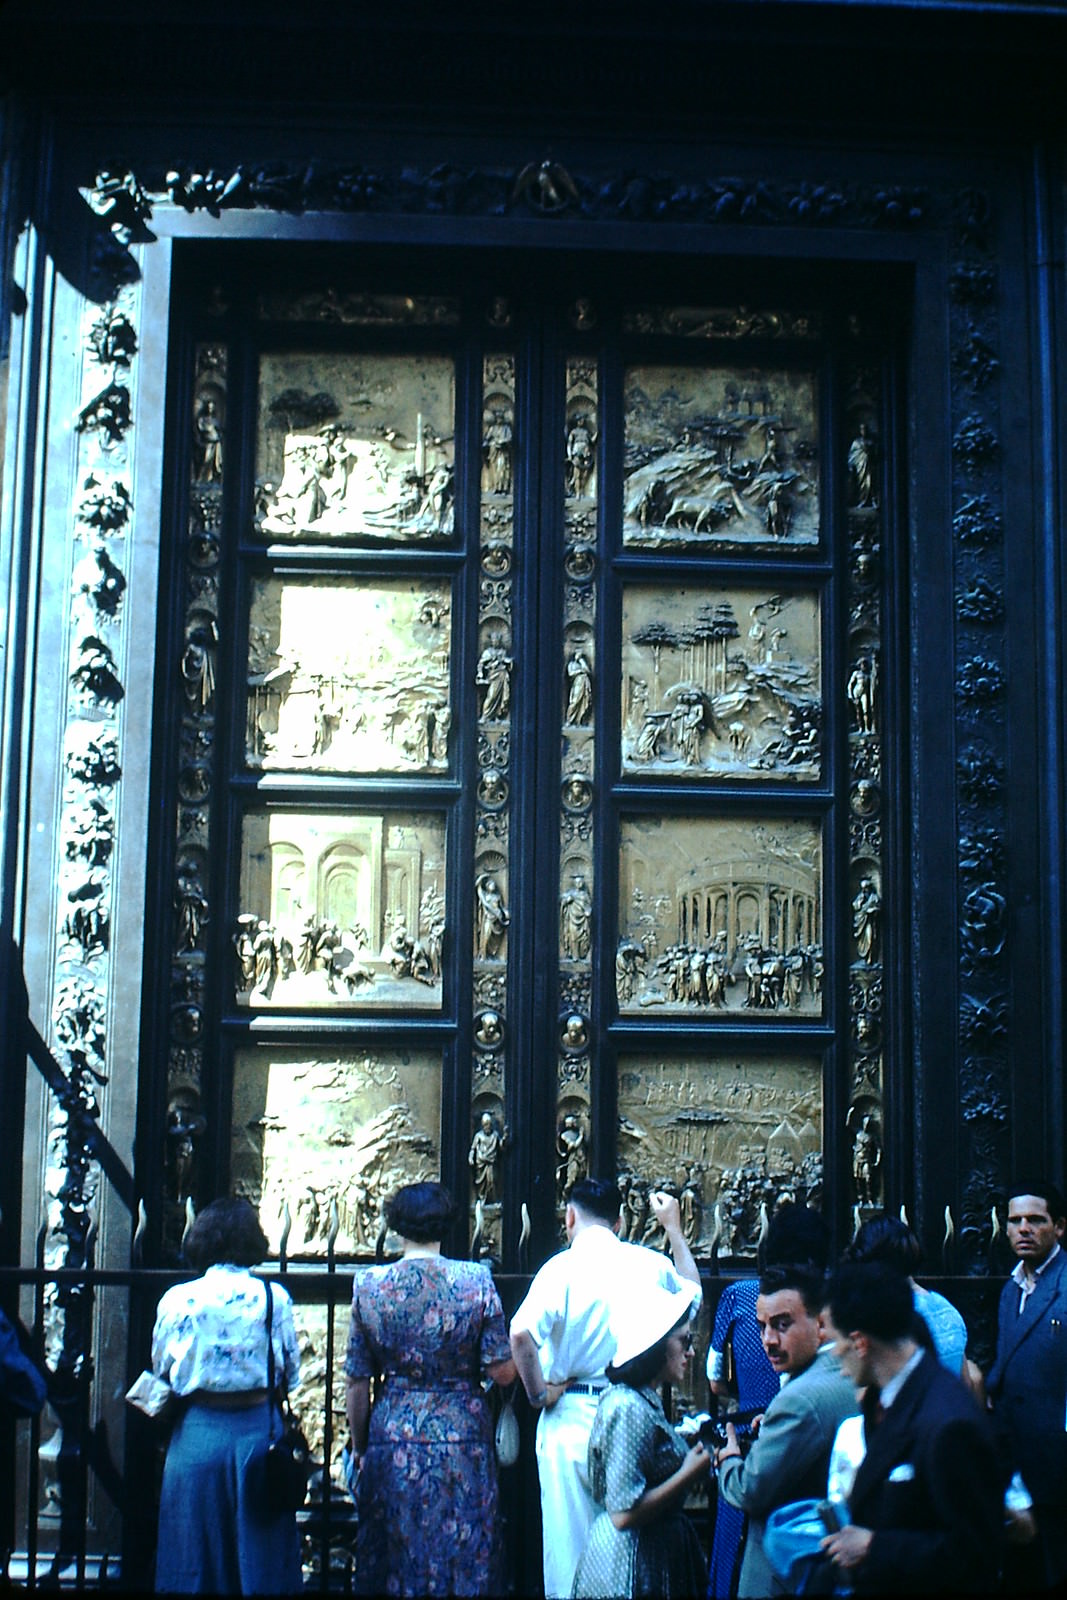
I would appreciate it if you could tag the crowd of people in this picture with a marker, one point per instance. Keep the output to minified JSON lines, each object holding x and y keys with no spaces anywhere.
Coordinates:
{"x":867,"y":1454}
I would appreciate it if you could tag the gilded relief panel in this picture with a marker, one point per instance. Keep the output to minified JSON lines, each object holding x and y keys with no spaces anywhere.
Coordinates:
{"x":355,"y":447}
{"x":720,"y":916}
{"x":723,"y":682}
{"x":719,"y":456}
{"x":320,"y":1142}
{"x":728,"y":1136}
{"x":348,"y":676}
{"x":340,"y":909}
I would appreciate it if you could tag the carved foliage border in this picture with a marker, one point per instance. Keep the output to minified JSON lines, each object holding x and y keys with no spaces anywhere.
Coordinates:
{"x":981,"y":712}
{"x":97,"y":644}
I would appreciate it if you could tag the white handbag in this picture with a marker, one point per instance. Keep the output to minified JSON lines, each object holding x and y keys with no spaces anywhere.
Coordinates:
{"x":506,"y":1436}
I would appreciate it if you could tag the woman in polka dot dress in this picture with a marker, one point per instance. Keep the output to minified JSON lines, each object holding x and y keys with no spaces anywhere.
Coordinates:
{"x":640,"y":1468}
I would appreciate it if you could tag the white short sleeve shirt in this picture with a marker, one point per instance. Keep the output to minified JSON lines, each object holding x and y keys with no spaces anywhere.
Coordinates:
{"x":570,"y":1304}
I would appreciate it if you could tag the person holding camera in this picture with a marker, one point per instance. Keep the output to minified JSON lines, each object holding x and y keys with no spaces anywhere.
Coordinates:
{"x":640,"y":1467}
{"x":789,"y":1458}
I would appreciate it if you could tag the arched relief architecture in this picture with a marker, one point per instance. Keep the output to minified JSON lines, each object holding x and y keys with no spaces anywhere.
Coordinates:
{"x":584,"y":735}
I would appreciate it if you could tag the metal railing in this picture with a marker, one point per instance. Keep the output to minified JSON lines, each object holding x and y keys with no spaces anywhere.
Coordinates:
{"x":48,"y":1541}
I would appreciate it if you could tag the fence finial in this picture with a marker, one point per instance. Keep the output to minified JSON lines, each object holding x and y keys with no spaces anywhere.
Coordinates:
{"x":137,"y":1242}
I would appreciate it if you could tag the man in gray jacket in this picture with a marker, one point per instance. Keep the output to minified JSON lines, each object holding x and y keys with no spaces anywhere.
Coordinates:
{"x":791,"y":1454}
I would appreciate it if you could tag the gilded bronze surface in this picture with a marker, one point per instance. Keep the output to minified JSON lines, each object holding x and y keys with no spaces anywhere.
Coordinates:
{"x":340,"y":909}
{"x":355,"y":446}
{"x":720,"y":916}
{"x":724,"y":681}
{"x":325,"y":1139}
{"x":719,"y":455}
{"x":349,"y":676}
{"x":727,"y":1135}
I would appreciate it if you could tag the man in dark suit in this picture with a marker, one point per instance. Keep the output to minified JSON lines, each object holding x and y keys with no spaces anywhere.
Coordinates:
{"x":926,"y":1505}
{"x":1027,"y":1384}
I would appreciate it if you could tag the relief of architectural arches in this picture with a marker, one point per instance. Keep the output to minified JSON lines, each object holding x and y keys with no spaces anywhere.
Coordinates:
{"x":340,"y":909}
{"x":717,"y":915}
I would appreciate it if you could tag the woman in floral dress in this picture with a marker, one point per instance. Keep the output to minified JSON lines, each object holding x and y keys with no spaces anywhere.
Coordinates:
{"x":640,"y":1468}
{"x":430,"y":1329}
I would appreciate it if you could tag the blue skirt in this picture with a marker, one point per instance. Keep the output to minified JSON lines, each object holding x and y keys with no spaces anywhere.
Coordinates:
{"x":214,"y":1535}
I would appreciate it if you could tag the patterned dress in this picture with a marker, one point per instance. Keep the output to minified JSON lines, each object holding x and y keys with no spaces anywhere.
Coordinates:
{"x":427,"y":1492}
{"x":757,"y":1384}
{"x":631,"y":1449}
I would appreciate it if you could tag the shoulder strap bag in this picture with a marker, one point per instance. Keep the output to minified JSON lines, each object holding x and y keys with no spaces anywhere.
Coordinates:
{"x":288,"y":1459}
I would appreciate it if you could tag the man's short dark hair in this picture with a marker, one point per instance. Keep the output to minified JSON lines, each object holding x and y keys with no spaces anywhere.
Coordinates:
{"x":796,"y":1235}
{"x":227,"y":1231}
{"x":808,"y":1282}
{"x":869,"y":1297}
{"x":1030,"y":1183}
{"x":597,"y":1197}
{"x":888,"y":1240}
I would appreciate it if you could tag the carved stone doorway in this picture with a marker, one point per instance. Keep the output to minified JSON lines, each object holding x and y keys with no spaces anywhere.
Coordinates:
{"x":524,"y":754}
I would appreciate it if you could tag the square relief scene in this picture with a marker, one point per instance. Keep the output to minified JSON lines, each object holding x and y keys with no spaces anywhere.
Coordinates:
{"x":322,"y":1143}
{"x":719,"y":456}
{"x":720,"y":916}
{"x":721,"y":681}
{"x":346,"y":676}
{"x":727,"y":1136}
{"x":340,"y":910}
{"x":355,"y":447}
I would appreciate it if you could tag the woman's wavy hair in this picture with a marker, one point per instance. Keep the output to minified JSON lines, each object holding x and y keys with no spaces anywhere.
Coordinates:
{"x":226,"y":1231}
{"x":642,"y":1370}
{"x":421,"y":1212}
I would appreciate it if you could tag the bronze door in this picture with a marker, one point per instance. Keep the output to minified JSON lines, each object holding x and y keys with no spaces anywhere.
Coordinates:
{"x":525,"y":771}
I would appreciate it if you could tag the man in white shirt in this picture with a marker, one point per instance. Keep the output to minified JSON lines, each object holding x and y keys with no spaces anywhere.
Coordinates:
{"x":562,"y":1343}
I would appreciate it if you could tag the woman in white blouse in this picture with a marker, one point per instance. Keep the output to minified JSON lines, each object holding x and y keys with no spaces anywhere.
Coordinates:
{"x":210,"y":1345}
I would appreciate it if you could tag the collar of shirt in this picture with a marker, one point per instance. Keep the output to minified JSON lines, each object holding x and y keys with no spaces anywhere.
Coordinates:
{"x":823,"y":1350}
{"x":895,"y":1384}
{"x":1028,"y":1281}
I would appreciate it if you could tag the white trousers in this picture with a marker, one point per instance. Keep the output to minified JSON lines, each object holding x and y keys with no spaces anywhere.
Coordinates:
{"x":567,"y":1507}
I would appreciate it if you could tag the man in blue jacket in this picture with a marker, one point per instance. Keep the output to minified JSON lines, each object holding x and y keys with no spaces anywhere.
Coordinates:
{"x":1027,"y":1385}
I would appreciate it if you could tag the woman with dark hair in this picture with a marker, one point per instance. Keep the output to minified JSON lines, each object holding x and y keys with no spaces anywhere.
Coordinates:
{"x":640,"y":1468}
{"x":210,"y":1345}
{"x":889,"y":1240}
{"x":429,"y":1330}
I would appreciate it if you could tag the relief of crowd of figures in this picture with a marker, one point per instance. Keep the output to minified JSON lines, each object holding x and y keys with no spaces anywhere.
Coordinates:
{"x":319,"y":1144}
{"x":720,"y":916}
{"x":355,"y":447}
